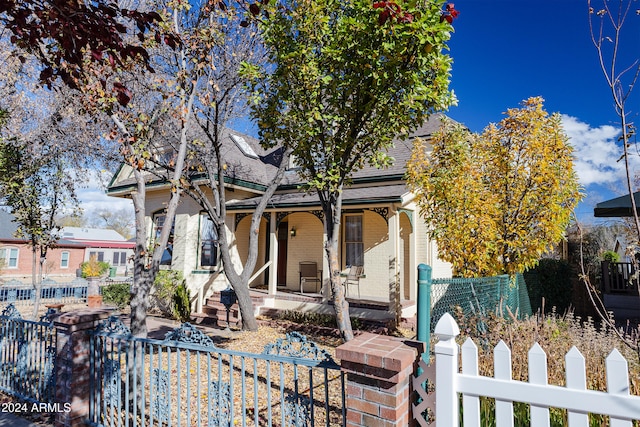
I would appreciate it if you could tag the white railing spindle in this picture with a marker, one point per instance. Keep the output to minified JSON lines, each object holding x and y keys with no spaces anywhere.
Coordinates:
{"x":471,"y":403}
{"x":538,"y":375}
{"x":502,"y":371}
{"x":576,"y":380}
{"x":618,"y":382}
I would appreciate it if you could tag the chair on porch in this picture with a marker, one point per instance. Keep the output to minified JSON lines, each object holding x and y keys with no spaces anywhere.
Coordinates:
{"x":353,"y":278}
{"x":309,"y":273}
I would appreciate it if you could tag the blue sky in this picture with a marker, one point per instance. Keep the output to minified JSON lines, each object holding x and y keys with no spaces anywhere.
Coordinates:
{"x":506,"y":51}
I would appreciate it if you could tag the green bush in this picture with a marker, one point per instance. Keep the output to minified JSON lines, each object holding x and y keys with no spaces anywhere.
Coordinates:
{"x":611,"y":256}
{"x":118,"y":294}
{"x":171,"y":295}
{"x":182,"y":303}
{"x":551,"y":280}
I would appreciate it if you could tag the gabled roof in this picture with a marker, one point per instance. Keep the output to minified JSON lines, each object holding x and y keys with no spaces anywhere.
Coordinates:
{"x":252,"y":167}
{"x":247,"y":164}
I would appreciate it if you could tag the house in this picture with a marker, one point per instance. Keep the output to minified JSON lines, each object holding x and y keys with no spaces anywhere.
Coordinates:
{"x":381,"y":227}
{"x":64,"y":259}
{"x":105,"y":244}
{"x":16,"y":255}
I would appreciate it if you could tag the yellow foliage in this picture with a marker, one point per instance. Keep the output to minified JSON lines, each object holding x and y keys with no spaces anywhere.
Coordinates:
{"x":496,"y":201}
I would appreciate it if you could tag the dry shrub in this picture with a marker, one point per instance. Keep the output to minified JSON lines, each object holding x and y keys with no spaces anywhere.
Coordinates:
{"x":556,"y":335}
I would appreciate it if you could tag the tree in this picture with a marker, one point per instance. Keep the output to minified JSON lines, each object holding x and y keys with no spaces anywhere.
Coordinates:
{"x":36,"y":187}
{"x":621,"y":72}
{"x":346,"y":78}
{"x":222,"y":50}
{"x":60,"y":33}
{"x":120,"y":220}
{"x":496,"y":202}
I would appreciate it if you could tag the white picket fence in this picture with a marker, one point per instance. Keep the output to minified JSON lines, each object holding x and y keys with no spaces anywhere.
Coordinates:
{"x":616,"y":403}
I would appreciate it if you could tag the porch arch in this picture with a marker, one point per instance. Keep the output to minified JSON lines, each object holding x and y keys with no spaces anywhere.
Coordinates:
{"x":241,"y":237}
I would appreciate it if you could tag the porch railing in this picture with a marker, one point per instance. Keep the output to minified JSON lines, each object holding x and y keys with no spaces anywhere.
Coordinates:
{"x":620,"y":278}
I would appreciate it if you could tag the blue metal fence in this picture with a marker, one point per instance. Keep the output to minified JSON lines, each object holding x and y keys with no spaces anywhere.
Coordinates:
{"x":27,"y":357}
{"x":185,"y":380}
{"x":18,"y":293}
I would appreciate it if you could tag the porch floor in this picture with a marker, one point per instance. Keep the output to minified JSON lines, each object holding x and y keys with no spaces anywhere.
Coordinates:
{"x":363,"y":308}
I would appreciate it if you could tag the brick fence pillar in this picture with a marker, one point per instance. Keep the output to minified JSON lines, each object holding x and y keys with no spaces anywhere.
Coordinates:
{"x":379,"y":370}
{"x":72,"y":364}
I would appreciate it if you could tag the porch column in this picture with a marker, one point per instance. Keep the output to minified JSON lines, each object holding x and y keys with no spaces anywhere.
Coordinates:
{"x":413,"y":258}
{"x":326,"y":284}
{"x":394,"y":258}
{"x":273,"y":254}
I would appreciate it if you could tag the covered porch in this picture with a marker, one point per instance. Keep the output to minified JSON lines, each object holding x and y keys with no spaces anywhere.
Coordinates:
{"x":378,"y":232}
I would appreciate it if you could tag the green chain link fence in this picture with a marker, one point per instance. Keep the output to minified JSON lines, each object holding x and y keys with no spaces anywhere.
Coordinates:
{"x":477,"y":296}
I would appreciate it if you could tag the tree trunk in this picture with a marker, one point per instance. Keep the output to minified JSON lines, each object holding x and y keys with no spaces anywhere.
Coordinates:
{"x":332,"y":206}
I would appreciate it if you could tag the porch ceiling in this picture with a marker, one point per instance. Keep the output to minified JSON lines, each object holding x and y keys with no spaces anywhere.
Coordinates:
{"x":351,"y":196}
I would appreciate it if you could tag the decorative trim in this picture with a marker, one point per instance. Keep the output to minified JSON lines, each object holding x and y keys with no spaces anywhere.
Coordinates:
{"x":189,"y":334}
{"x":280,"y":216}
{"x":319,"y":214}
{"x":160,"y":406}
{"x":220,"y":403}
{"x":239,"y":217}
{"x":11,"y":312}
{"x":296,"y":345}
{"x":409,"y":214}
{"x":383,"y":212}
{"x":112,"y":325}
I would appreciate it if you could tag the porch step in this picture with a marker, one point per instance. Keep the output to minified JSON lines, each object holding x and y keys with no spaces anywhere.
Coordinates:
{"x":215,"y":313}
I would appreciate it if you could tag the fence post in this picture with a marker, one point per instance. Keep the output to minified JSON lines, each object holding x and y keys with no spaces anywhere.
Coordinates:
{"x":378,"y":388}
{"x":446,"y":351}
{"x":423,"y":327}
{"x":72,"y":364}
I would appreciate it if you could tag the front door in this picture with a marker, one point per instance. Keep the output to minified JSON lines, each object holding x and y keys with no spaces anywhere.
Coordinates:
{"x":283,"y":240}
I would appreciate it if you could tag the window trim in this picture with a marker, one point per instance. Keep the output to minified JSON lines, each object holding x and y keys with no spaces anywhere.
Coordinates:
{"x":344,"y":236}
{"x":6,"y":255}
{"x":155,"y":233}
{"x":201,"y":219}
{"x":62,"y":259}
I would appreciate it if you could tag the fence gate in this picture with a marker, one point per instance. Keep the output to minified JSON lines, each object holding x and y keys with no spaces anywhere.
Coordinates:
{"x":185,"y":380}
{"x":27,"y":357}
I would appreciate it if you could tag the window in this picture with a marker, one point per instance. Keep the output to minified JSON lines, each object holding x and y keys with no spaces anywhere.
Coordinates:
{"x":98,"y":255}
{"x":158,"y":221}
{"x":119,"y":258}
{"x":9,"y":257}
{"x":353,"y":245}
{"x":208,"y":242}
{"x":64,"y":259}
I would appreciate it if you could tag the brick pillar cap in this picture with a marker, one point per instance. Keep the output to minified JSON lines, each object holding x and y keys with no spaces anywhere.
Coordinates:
{"x":381,"y":351}
{"x":82,"y":316}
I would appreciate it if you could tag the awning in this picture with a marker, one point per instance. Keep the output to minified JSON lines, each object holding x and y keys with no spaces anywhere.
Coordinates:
{"x":616,"y":208}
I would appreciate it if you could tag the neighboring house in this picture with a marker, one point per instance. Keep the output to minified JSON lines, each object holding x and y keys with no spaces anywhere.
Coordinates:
{"x":106,"y":245}
{"x":16,"y":255}
{"x":381,"y":227}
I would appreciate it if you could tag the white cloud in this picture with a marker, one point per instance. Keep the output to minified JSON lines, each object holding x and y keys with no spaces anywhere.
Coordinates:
{"x":92,"y":194}
{"x":597,"y":152}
